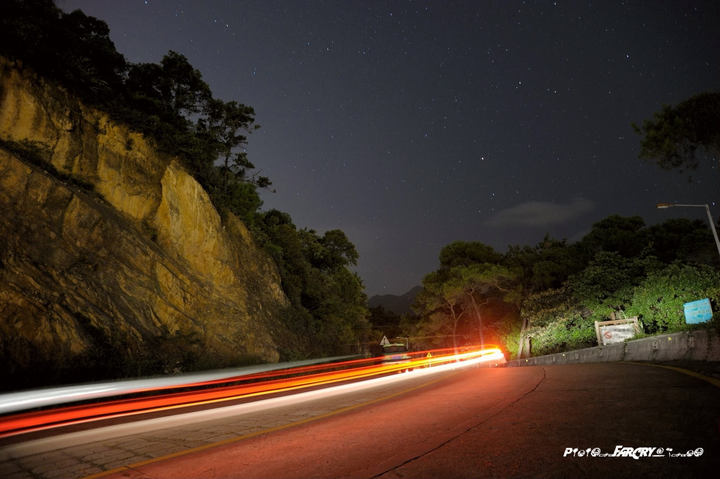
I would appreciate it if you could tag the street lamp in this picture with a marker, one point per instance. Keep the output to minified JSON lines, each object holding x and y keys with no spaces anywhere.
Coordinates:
{"x":707,"y":210}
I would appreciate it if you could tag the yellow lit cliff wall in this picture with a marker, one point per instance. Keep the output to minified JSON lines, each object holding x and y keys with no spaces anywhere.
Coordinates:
{"x":108,"y":247}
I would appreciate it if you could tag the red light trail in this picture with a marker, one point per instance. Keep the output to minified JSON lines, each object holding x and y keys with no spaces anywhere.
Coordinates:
{"x":253,"y":385}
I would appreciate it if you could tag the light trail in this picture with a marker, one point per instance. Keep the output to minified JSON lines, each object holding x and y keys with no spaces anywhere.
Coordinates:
{"x":24,"y":400}
{"x":255,"y":384}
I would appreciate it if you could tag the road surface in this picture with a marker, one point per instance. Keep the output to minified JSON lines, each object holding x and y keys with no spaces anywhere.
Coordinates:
{"x":479,"y":422}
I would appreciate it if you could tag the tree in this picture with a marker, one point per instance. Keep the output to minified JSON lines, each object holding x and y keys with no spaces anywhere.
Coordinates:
{"x":462,"y":284}
{"x":440,"y":303}
{"x":337,"y":250}
{"x":609,"y":278}
{"x":227,"y":124}
{"x":483,"y":283}
{"x":72,"y":48}
{"x":451,"y":295}
{"x":684,"y":240}
{"x":678,"y":137}
{"x":470,"y":282}
{"x":328,"y":313}
{"x":88,"y":57}
{"x":624,"y":235}
{"x":464,"y":253}
{"x":181,"y":85}
{"x":546,"y":265}
{"x":173,"y":90}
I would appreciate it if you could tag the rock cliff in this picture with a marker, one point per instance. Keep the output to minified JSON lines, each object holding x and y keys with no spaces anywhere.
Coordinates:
{"x":113,"y":260}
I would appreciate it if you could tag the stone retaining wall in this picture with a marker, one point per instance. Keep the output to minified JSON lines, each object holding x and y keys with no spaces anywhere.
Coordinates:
{"x":699,"y":345}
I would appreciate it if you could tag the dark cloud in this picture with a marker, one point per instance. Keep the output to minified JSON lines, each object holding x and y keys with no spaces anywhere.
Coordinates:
{"x":541,"y":213}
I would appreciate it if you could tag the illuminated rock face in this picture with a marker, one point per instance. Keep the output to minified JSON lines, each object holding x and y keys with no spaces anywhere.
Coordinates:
{"x":110,"y":248}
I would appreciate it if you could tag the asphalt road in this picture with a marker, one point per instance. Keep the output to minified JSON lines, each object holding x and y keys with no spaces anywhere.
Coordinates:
{"x":514,"y":422}
{"x":480,"y":422}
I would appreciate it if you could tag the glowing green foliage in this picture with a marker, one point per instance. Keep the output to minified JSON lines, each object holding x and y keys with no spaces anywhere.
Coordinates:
{"x":659,"y":299}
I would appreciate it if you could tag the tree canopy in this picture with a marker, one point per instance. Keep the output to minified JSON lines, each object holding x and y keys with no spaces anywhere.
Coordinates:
{"x":457,"y":296}
{"x":680,"y":136}
{"x":328,"y":312}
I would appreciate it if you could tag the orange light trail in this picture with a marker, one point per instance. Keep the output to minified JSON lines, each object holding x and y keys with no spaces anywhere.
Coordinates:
{"x":255,"y":384}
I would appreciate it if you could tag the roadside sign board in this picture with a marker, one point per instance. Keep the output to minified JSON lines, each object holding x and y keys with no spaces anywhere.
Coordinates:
{"x":698,"y":311}
{"x":616,"y":331}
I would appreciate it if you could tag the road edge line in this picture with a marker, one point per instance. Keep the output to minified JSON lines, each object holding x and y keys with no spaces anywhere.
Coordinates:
{"x":714,"y":381}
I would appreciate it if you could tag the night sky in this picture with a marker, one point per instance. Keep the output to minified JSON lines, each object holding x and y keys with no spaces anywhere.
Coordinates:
{"x":412,"y":124}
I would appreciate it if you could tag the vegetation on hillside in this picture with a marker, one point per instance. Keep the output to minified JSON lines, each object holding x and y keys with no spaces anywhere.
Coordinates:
{"x":328,"y":313}
{"x":172,"y":106}
{"x":621,"y":268}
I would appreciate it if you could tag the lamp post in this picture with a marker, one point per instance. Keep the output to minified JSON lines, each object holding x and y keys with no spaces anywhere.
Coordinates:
{"x":707,"y":210}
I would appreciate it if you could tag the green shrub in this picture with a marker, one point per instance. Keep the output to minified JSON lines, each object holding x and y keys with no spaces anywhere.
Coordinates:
{"x":658,"y":301}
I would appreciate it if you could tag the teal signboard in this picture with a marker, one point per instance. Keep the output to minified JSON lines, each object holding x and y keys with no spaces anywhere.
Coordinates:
{"x":698,"y":311}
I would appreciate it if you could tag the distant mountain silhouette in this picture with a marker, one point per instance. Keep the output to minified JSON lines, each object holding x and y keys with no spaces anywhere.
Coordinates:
{"x":394,"y":303}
